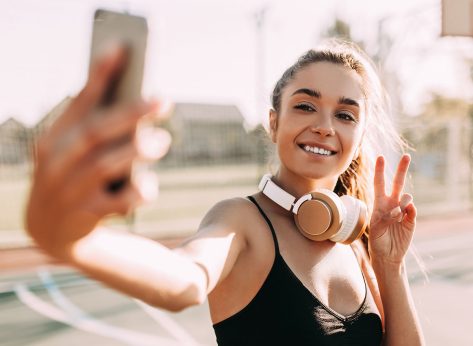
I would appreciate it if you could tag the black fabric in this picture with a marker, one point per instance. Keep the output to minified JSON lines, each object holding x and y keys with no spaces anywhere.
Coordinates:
{"x":285,"y":312}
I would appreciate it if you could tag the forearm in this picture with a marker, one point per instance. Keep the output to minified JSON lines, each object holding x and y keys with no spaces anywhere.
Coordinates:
{"x":140,"y":267}
{"x":401,"y":323}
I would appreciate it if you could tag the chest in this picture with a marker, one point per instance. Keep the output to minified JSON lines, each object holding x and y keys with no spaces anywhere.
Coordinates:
{"x":329,"y":271}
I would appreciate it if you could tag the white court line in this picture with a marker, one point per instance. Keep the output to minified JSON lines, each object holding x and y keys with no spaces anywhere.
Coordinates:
{"x":87,"y":323}
{"x":179,"y":333}
{"x":65,"y":304}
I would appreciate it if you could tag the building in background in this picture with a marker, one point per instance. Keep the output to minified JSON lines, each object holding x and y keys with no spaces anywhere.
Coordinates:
{"x":202,"y":134}
{"x":14,"y":142}
{"x":209,"y":134}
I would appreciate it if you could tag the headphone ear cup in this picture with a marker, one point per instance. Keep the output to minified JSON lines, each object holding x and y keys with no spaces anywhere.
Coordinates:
{"x":336,"y":200}
{"x":355,"y":222}
{"x":321,"y":217}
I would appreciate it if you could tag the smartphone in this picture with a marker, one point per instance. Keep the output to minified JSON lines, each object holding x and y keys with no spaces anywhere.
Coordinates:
{"x":132,"y":31}
{"x":111,"y":28}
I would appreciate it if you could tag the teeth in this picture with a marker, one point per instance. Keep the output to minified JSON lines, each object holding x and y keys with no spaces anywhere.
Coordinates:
{"x":317,"y":150}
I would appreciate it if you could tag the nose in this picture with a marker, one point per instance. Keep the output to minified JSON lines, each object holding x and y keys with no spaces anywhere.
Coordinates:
{"x":323,"y":127}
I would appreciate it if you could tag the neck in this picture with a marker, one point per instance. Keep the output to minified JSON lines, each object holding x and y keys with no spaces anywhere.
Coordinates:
{"x":298,"y":185}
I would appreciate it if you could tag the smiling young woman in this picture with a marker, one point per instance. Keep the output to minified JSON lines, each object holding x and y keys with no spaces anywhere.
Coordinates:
{"x":266,"y":281}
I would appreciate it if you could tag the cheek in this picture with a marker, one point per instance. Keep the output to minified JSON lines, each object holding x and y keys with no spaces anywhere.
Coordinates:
{"x":351,"y":139}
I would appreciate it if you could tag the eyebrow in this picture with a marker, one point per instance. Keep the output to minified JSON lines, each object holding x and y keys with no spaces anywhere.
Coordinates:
{"x":348,"y":101}
{"x":310,"y":92}
{"x":316,"y":94}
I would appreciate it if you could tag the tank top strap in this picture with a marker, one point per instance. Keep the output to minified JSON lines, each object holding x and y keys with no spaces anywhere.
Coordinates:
{"x":273,"y":233}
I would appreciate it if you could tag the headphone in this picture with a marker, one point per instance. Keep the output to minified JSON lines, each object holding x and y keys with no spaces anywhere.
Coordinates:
{"x":321,"y":214}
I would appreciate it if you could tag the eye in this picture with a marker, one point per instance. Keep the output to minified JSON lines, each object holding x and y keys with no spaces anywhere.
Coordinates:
{"x":346,"y":116}
{"x":305,"y":107}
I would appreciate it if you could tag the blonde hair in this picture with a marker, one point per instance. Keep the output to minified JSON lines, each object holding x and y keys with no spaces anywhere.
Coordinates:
{"x":380,"y":135}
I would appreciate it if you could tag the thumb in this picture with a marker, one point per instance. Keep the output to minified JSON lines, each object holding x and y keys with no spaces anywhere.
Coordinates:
{"x":411,"y":213}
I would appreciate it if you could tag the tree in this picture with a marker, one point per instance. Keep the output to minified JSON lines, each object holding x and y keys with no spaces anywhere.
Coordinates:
{"x":341,"y":30}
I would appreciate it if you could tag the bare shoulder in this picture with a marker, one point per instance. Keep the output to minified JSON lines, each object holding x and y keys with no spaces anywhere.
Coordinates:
{"x":238,"y":217}
{"x":232,"y":212}
{"x":222,"y":240}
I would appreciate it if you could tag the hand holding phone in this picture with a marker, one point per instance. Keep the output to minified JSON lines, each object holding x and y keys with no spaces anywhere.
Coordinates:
{"x":81,"y":157}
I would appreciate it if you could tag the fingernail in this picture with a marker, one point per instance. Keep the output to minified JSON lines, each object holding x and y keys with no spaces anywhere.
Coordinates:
{"x":405,"y":200}
{"x":153,"y":143}
{"x":147,"y":184}
{"x":165,"y":107}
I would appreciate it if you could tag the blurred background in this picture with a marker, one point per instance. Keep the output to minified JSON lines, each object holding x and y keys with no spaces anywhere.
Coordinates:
{"x":218,"y":62}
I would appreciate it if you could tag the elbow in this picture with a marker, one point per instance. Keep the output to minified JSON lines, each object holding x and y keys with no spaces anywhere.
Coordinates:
{"x":179,"y":300}
{"x":192,"y":296}
{"x":181,"y":303}
{"x":182,"y":291}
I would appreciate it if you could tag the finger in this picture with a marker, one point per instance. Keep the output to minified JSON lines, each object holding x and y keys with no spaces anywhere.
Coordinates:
{"x":81,"y":142}
{"x":396,"y":214}
{"x":410,"y":215}
{"x":104,"y":204}
{"x":112,"y":125}
{"x":88,"y":98}
{"x":143,"y":188}
{"x":400,"y":176}
{"x":164,"y":109}
{"x":147,"y":185}
{"x":101,"y":72}
{"x":379,"y":184}
{"x":93,"y":177}
{"x":406,"y":199}
{"x":152,"y":143}
{"x":114,"y":163}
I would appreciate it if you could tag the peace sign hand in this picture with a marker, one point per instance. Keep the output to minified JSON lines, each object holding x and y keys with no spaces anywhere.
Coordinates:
{"x":393,"y":221}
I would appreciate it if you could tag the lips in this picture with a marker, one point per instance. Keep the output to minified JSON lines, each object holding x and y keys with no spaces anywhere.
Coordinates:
{"x":318,"y":149}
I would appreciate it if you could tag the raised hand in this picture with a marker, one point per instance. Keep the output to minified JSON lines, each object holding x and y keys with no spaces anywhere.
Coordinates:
{"x":393,"y":221}
{"x":86,"y":148}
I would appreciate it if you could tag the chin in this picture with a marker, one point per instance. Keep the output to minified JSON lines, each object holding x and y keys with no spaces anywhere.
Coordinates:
{"x":326,"y":179}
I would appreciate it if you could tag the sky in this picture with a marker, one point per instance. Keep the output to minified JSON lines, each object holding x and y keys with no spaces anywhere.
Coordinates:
{"x":210,"y":51}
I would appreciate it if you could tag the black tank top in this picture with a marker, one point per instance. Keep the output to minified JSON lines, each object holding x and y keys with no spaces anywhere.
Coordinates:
{"x":285,"y":312}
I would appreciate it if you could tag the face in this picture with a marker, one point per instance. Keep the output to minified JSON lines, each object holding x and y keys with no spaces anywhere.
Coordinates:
{"x":320,"y":123}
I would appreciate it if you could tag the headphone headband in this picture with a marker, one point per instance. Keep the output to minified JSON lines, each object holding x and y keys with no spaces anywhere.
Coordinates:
{"x":275,"y":193}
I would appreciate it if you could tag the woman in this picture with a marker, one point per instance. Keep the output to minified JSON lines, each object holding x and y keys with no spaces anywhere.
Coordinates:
{"x":267,"y":284}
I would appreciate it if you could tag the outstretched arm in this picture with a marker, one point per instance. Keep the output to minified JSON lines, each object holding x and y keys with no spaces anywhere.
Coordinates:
{"x":88,"y":147}
{"x":391,"y":231}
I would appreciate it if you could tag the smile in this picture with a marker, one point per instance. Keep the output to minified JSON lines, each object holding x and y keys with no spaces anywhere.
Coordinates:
{"x":317,"y":150}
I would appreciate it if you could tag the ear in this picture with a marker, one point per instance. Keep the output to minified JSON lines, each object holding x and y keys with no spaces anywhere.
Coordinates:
{"x":273,"y":124}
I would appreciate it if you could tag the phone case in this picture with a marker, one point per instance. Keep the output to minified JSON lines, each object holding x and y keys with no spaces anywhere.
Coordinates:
{"x":119,"y":28}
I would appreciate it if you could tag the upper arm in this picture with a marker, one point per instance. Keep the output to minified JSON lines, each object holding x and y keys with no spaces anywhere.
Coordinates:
{"x":220,"y":240}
